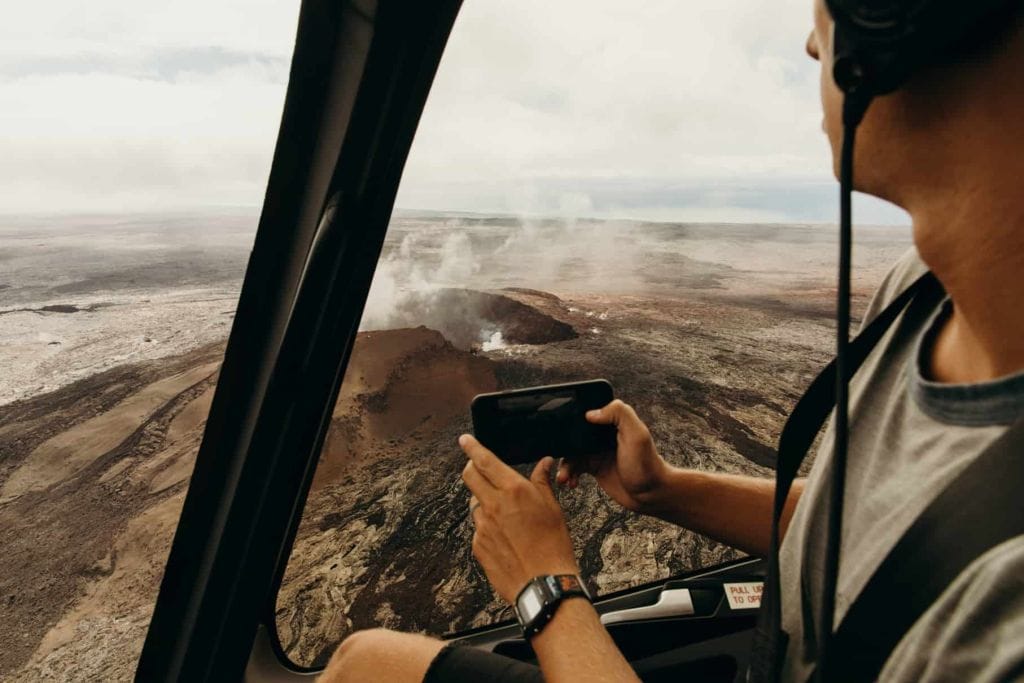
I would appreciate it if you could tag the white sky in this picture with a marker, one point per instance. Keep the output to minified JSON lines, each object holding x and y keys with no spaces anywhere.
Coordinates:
{"x":665,"y":109}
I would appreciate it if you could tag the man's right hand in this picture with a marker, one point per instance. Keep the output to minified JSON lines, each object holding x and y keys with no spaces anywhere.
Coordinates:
{"x":635,"y":475}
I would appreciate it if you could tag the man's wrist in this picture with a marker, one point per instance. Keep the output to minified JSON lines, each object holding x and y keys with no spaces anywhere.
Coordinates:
{"x":570,"y":613}
{"x":576,"y":647}
{"x":663,"y":498}
{"x":541,"y":598}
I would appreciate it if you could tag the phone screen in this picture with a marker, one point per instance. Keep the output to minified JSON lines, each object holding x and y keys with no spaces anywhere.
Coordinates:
{"x":525,"y":425}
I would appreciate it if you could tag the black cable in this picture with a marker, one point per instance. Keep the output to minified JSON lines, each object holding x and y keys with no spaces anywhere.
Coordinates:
{"x":854,"y":108}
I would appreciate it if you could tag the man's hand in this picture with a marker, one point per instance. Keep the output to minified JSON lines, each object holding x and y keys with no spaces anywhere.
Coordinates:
{"x":520,"y":531}
{"x":635,"y":474}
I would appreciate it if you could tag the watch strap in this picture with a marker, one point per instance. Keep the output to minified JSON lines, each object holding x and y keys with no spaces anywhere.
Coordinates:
{"x":570,"y":584}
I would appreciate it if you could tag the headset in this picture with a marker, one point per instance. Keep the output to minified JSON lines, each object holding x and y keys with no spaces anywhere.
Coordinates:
{"x":877,"y":45}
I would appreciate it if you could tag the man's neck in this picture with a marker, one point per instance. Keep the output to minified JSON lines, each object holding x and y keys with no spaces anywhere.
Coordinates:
{"x":973,"y":240}
{"x":968,"y":213}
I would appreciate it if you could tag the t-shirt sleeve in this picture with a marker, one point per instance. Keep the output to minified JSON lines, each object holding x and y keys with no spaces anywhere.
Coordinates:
{"x":974,"y":632}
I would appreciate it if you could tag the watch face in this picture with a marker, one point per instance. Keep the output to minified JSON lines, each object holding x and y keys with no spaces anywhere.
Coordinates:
{"x":529,"y":604}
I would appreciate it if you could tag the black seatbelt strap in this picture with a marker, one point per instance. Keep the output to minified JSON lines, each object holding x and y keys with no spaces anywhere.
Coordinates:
{"x":799,"y":433}
{"x":980,"y":509}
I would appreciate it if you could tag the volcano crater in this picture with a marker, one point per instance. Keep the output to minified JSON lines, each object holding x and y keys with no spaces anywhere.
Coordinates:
{"x":469,"y":318}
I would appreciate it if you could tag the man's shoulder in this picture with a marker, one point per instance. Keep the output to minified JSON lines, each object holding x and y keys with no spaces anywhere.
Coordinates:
{"x":975,"y":631}
{"x":907,"y":269}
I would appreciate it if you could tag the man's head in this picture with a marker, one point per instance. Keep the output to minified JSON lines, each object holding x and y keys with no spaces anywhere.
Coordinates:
{"x":939,"y":120}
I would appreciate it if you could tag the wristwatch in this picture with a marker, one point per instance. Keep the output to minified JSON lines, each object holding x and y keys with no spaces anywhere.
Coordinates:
{"x":538,"y":600}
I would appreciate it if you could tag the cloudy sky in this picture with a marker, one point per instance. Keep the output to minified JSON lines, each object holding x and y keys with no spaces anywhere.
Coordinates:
{"x":670,"y":110}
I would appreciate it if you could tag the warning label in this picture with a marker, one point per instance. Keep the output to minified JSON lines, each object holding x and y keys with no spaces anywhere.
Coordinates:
{"x":744,"y":595}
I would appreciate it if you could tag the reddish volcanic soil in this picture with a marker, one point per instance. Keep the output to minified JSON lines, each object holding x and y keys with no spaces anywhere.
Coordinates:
{"x":399,"y":384}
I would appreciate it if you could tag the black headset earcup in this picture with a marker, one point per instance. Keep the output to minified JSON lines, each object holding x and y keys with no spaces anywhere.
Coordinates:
{"x":881,"y":19}
{"x":877,"y":44}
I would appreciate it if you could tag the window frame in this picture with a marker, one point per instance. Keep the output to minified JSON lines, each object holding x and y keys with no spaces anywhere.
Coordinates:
{"x":360,"y":75}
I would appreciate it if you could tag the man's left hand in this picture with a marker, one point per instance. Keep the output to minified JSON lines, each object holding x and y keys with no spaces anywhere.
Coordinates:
{"x":520,"y":531}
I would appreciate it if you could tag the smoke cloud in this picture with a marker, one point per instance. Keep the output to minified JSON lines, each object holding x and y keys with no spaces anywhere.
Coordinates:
{"x":447,"y":274}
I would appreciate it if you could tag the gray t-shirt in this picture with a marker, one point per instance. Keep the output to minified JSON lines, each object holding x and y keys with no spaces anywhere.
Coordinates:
{"x":909,"y":438}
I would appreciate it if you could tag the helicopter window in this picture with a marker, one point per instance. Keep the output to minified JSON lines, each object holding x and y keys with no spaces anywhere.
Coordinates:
{"x":136,"y":143}
{"x":113,"y":330}
{"x":593,"y":192}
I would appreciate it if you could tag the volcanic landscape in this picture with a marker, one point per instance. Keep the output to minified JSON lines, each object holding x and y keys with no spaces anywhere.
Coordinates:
{"x":112,"y":331}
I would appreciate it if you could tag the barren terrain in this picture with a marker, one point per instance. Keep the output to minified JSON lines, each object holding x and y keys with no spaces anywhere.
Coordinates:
{"x":710,"y":331}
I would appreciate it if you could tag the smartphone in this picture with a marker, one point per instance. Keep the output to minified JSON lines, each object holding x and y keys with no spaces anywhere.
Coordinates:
{"x":524,"y":425}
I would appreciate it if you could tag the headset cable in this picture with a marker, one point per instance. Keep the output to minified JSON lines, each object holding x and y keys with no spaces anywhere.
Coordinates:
{"x":855,"y":105}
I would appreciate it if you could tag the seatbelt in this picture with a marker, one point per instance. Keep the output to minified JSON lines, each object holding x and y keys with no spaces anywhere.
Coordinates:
{"x":981,"y":508}
{"x":801,"y":428}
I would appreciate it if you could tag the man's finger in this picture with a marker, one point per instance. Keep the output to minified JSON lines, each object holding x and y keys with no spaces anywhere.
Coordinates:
{"x":570,"y":471}
{"x":541,"y":474}
{"x":488,"y":464}
{"x":564,"y":473}
{"x":477,"y":483}
{"x":615,"y":413}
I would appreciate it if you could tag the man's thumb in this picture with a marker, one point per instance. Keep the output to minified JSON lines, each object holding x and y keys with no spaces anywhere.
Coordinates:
{"x":542,"y":472}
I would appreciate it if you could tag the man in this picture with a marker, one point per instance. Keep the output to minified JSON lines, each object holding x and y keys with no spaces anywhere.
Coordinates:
{"x":942,"y":385}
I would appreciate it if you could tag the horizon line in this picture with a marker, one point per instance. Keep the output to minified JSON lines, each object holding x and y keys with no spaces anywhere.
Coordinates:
{"x":398,"y":211}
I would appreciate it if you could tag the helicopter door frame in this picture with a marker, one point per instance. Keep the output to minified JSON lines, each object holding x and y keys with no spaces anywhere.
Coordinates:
{"x":360,"y":76}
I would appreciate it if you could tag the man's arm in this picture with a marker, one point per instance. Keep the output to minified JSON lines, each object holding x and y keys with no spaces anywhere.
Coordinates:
{"x":730,"y":508}
{"x":574,"y":646}
{"x":733,"y":509}
{"x":520,"y":533}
